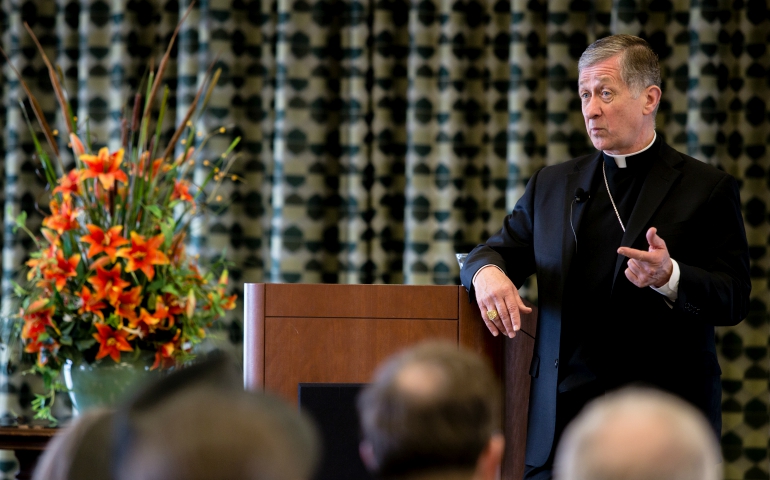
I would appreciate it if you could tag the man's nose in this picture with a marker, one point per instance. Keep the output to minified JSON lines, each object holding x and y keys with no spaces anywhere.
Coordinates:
{"x":592,"y":108}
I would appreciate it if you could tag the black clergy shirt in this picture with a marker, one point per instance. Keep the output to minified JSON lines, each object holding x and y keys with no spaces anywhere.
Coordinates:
{"x":586,"y":304}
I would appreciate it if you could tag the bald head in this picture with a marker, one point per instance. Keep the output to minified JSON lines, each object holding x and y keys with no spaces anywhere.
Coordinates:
{"x":637,"y":434}
{"x":420,"y":380}
{"x":429,"y":407}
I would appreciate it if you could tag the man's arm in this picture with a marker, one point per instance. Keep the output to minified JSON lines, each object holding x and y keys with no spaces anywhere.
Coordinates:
{"x":511,"y":251}
{"x":719,"y":294}
{"x":716,"y":293}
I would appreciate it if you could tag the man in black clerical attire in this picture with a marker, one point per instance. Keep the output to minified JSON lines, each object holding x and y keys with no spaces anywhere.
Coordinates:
{"x":639,"y":252}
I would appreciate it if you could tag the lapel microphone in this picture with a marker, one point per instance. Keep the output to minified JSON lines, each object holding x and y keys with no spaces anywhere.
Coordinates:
{"x":580,"y":197}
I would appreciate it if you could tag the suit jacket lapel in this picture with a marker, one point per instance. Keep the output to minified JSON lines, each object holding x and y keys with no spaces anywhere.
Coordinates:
{"x":657,"y":184}
{"x":581,"y":177}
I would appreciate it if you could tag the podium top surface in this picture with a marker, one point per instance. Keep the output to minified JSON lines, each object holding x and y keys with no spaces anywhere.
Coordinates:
{"x":365,"y":301}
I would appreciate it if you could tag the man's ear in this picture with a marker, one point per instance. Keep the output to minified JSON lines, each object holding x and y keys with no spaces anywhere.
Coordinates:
{"x":488,"y":465}
{"x":366,"y":452}
{"x":652,"y":95}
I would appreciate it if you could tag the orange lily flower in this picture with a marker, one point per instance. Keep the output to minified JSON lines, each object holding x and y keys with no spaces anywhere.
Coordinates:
{"x":144,"y":254}
{"x":61,"y":269}
{"x":127,"y":302}
{"x":219,"y":297}
{"x":149,"y":321}
{"x":108,"y":283}
{"x":163,"y":357}
{"x":68,"y":185}
{"x":224,"y":302}
{"x":31,"y":331}
{"x":162,"y":311}
{"x":228,"y":303}
{"x":34,"y":346}
{"x":52,"y":237}
{"x":104,"y":242}
{"x":181,"y":191}
{"x":36,"y":318}
{"x":111,"y":342}
{"x":91,"y":303}
{"x":62,"y":217}
{"x":174,"y":308}
{"x":105,"y":166}
{"x":38,"y":263}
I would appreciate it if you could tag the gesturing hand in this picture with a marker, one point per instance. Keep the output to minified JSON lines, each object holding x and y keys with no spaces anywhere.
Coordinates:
{"x":650,"y":268}
{"x":496,"y":293}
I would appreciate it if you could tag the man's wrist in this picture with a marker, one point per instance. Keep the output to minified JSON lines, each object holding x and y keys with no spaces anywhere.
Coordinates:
{"x":473,"y":280}
{"x":671,"y":288}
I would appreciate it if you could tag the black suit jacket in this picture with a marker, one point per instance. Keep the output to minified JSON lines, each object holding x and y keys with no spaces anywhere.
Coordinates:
{"x":696,"y":209}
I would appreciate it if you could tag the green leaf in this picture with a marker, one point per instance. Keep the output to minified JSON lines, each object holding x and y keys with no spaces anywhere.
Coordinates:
{"x":155,"y":210}
{"x":21,"y":219}
{"x":18,"y":290}
{"x":157,"y":284}
{"x":65,"y":340}
{"x":85,"y":344}
{"x":169,"y":288}
{"x":67,"y":329}
{"x":167,"y":229}
{"x":113,"y":320}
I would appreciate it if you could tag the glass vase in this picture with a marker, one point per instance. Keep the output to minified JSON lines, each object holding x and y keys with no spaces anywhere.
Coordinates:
{"x":105,"y":383}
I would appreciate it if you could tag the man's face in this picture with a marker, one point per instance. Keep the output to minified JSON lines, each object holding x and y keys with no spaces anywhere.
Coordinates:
{"x":616,"y":121}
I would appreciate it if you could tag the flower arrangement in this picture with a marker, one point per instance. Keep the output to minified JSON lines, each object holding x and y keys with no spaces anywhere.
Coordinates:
{"x":110,"y":277}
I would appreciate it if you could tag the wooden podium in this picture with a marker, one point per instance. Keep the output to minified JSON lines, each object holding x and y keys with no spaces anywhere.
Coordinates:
{"x":323,"y":333}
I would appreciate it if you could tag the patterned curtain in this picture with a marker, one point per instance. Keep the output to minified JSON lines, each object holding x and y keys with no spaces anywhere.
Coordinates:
{"x":381,"y":137}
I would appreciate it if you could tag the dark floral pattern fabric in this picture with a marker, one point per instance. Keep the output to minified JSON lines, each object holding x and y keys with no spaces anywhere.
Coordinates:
{"x":381,"y":137}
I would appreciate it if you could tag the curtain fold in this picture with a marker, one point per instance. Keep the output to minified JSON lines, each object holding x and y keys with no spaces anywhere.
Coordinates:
{"x":379,"y":138}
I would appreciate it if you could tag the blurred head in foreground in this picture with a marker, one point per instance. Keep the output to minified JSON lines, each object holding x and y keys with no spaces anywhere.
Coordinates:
{"x":638,"y":434}
{"x":432,"y":411}
{"x":64,"y":457}
{"x":196,"y":423}
{"x":213,"y":434}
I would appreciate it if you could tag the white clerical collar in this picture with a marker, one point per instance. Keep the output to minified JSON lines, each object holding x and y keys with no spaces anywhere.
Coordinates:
{"x":620,"y":160}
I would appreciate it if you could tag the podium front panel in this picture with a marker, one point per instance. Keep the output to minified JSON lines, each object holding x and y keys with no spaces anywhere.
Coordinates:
{"x":338,"y":350}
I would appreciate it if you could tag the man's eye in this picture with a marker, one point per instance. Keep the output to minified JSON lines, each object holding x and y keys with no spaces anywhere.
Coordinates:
{"x":606,"y":93}
{"x":584,"y":95}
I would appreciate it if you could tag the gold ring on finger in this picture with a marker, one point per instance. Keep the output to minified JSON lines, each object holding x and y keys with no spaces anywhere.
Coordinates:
{"x":492,"y":314}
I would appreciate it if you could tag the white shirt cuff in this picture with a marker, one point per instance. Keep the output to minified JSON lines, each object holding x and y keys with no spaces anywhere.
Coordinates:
{"x":670,"y":289}
{"x":473,"y":280}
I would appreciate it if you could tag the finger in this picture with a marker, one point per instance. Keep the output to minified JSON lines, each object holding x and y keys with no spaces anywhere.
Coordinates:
{"x":498,"y":320}
{"x":635,"y":268}
{"x":497,"y":304}
{"x":654,"y":240}
{"x":522,"y":307}
{"x":513,"y":314}
{"x":641,"y":269}
{"x":632,"y":278}
{"x":636,"y":254}
{"x":516,"y":308}
{"x":507,"y":315}
{"x":490,"y":325}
